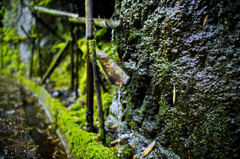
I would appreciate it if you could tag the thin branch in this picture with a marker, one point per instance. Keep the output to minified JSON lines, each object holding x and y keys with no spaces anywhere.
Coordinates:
{"x":54,"y":63}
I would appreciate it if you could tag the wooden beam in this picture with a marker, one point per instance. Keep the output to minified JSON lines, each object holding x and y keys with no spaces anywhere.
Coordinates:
{"x":54,"y":63}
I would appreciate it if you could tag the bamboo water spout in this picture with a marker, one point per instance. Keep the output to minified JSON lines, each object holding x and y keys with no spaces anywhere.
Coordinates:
{"x":113,"y":72}
{"x":74,"y":18}
{"x":104,"y":23}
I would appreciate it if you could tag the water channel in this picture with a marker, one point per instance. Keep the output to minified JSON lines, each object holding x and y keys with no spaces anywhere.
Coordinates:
{"x":25,"y":132}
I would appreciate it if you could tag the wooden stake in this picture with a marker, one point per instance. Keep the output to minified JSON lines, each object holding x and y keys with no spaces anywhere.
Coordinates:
{"x":78,"y":53}
{"x":98,"y":90}
{"x":89,"y":35}
{"x":39,"y":51}
{"x":72,"y":59}
{"x":31,"y":40}
{"x":1,"y":50}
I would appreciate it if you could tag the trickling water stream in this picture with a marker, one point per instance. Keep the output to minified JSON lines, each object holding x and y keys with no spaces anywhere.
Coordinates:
{"x":119,"y":120}
{"x":119,"y":114}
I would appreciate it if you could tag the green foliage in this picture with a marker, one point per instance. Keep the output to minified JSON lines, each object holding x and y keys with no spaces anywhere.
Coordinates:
{"x":134,"y":35}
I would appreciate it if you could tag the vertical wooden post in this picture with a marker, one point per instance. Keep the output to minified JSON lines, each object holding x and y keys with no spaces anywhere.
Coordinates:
{"x":1,"y":32}
{"x":78,"y":52}
{"x":31,"y":58}
{"x":32,"y":51}
{"x":89,"y":35}
{"x":98,"y":90}
{"x":39,"y":51}
{"x":1,"y":50}
{"x":72,"y":59}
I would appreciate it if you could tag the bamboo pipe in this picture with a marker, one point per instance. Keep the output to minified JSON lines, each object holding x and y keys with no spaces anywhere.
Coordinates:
{"x":104,"y":23}
{"x":74,"y":18}
{"x":112,"y":71}
{"x":89,"y":35}
{"x":53,"y":12}
{"x":98,"y":90}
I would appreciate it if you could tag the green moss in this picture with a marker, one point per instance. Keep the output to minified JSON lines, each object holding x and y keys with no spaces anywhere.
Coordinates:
{"x":134,"y":35}
{"x":70,"y":122}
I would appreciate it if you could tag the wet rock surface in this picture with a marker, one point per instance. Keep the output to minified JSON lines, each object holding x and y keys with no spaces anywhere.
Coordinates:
{"x":193,"y":45}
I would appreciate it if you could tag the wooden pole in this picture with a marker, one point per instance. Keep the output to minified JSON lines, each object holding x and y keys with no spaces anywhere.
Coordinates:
{"x":78,"y":52}
{"x":89,"y":35}
{"x":98,"y":90}
{"x":39,"y":51}
{"x":1,"y":50}
{"x":72,"y":59}
{"x":32,"y":51}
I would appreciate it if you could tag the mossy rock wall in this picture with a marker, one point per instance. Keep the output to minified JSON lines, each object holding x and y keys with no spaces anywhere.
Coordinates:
{"x":194,"y":45}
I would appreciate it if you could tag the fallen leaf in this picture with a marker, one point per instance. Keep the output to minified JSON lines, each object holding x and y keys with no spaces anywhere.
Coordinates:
{"x":174,"y":94}
{"x":177,"y":11}
{"x":35,"y":148}
{"x":205,"y":20}
{"x":148,"y":149}
{"x":55,"y":141}
{"x":114,"y":126}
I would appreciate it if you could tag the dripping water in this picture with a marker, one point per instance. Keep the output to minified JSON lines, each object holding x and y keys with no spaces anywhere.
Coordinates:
{"x":119,"y":114}
{"x":118,"y":103}
{"x":119,"y":119}
{"x":112,"y":40}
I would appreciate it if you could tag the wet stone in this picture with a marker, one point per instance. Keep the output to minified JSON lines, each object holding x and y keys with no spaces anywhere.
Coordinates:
{"x":163,"y":43}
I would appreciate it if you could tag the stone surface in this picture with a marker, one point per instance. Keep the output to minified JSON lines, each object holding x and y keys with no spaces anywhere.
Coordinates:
{"x":165,"y":42}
